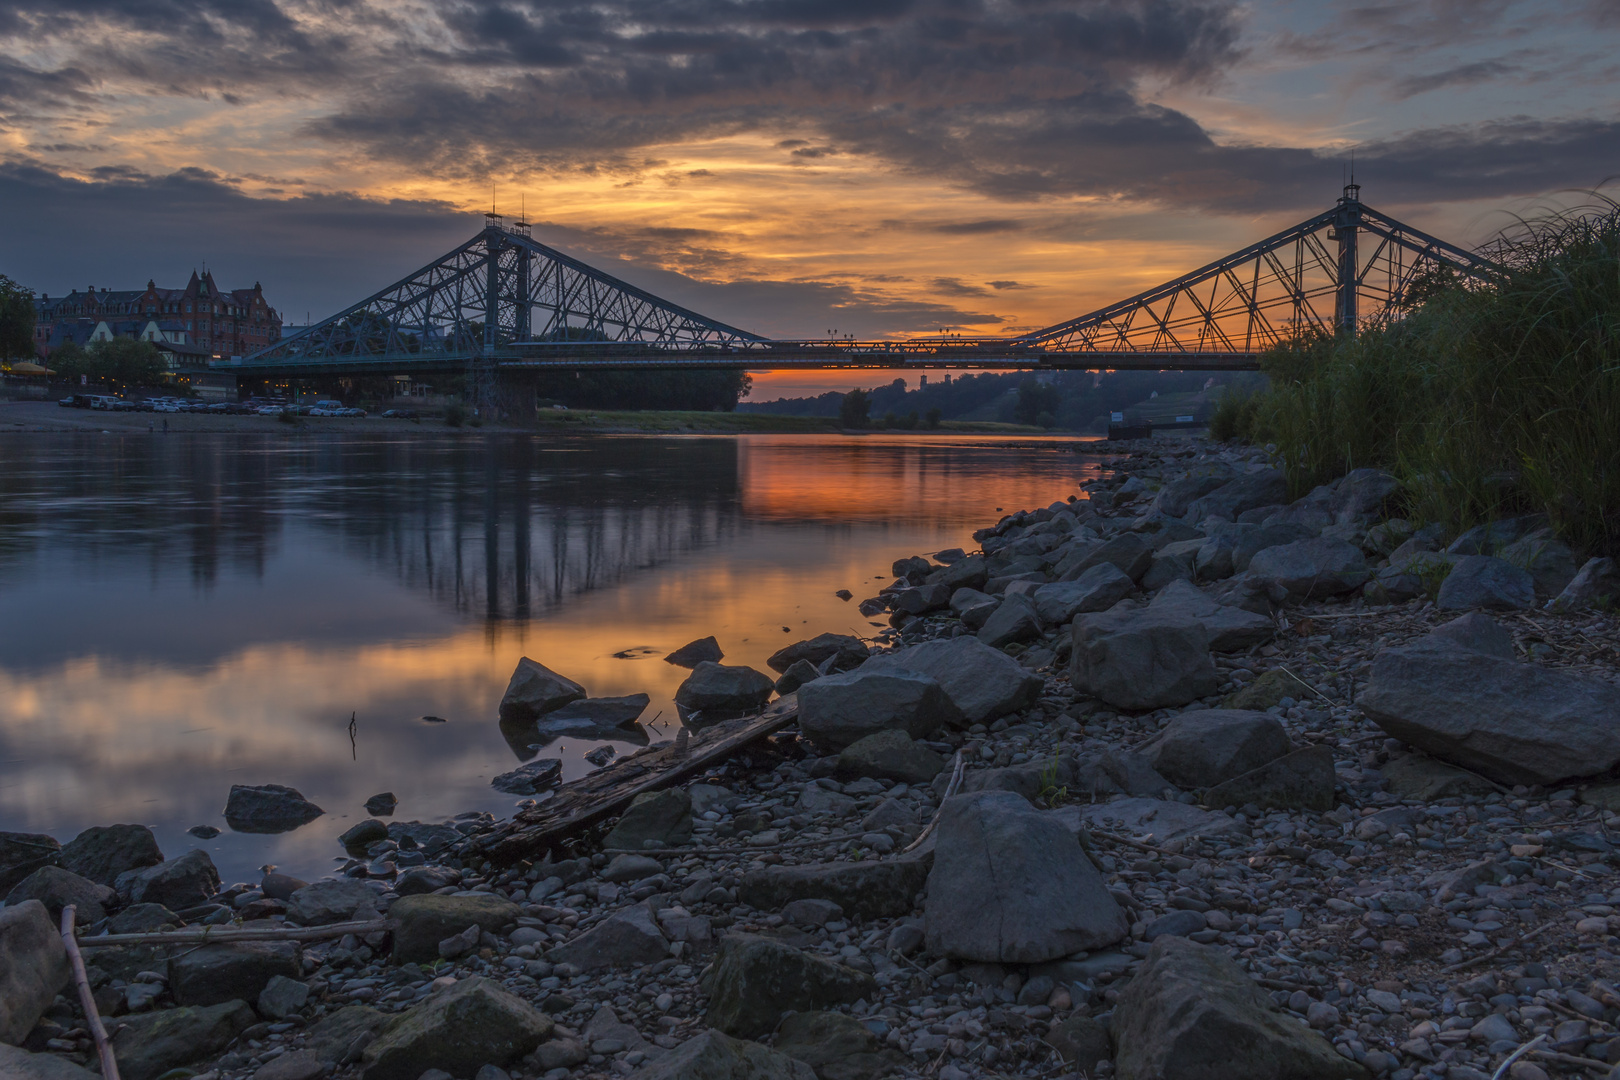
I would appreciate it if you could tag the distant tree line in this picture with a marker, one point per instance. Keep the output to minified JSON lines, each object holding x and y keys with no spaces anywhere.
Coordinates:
{"x":702,"y":391}
{"x":118,"y":362}
{"x":1071,"y":400}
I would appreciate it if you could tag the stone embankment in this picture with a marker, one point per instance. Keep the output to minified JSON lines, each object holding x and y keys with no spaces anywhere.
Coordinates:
{"x":1172,"y":778}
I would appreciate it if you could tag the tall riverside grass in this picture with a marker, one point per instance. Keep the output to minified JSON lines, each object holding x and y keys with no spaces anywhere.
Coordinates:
{"x":1486,"y":400}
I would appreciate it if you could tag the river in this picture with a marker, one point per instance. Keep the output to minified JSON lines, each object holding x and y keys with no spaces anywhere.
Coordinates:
{"x":183,"y":613}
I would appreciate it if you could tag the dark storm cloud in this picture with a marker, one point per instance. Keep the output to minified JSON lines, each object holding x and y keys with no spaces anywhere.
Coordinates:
{"x":978,"y":228}
{"x":1461,"y":75}
{"x":633,"y":73}
{"x":1114,"y":147}
{"x":321,"y":253}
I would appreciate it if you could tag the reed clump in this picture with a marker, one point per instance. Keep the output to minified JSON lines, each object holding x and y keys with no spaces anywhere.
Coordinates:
{"x":1485,"y":399}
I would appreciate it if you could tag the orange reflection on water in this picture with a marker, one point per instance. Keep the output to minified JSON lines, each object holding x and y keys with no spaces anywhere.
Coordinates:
{"x":947,"y":478}
{"x":90,"y":739}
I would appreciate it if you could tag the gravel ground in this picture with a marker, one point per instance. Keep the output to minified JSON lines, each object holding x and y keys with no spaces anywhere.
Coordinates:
{"x":1365,"y":922}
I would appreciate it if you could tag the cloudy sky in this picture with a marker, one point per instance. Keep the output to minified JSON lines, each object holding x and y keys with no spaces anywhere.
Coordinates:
{"x":878,"y":167}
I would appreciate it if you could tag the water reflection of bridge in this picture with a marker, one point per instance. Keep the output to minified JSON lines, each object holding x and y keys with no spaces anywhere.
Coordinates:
{"x":494,"y":527}
{"x":510,"y":527}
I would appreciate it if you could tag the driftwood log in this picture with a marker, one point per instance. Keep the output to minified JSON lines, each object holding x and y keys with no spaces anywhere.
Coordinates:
{"x":586,"y":801}
{"x":218,"y":935}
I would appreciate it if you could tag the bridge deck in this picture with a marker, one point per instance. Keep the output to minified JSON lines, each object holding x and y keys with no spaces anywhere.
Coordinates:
{"x":765,"y":355}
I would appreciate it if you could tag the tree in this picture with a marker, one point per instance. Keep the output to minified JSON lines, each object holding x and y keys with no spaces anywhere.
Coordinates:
{"x":69,"y":361}
{"x":121,"y":361}
{"x":16,"y":321}
{"x":852,"y":412}
{"x":128,"y":361}
{"x":934,"y":416}
{"x":1035,"y":398}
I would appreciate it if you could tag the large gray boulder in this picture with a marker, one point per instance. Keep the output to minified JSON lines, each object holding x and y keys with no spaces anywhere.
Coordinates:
{"x":969,"y":573}
{"x":1137,"y":660}
{"x":1299,"y":780}
{"x":1361,"y":494}
{"x":1208,"y":747}
{"x":1214,"y":557}
{"x":1191,"y":1013}
{"x":1476,"y":631}
{"x":459,"y":1030}
{"x":332,"y":1036}
{"x":18,"y":1064}
{"x":1491,"y":537}
{"x":1014,"y":620}
{"x":1597,"y":581}
{"x":662,"y":817}
{"x":922,"y":599}
{"x":1514,"y":723}
{"x":268,"y":808}
{"x":55,"y":888}
{"x":983,"y":683}
{"x":33,"y":967}
{"x":1311,"y":568}
{"x":1484,"y":581}
{"x":214,"y":974}
{"x":844,"y":650}
{"x":713,"y":1055}
{"x":147,"y":1046}
{"x":422,"y":921}
{"x":102,"y":852}
{"x":23,"y":853}
{"x":1097,"y":589}
{"x":1249,"y":543}
{"x":754,"y":980}
{"x":177,"y":884}
{"x":1176,"y":561}
{"x":870,"y":890}
{"x":1230,"y":629}
{"x":1549,"y":561}
{"x":1010,"y":885}
{"x":1127,"y":552}
{"x":1175,"y":497}
{"x":836,"y":1046}
{"x":628,"y":936}
{"x":890,"y":755}
{"x":695,"y":652}
{"x":332,"y":901}
{"x":1101,"y":773}
{"x":839,"y":710}
{"x":1264,"y":487}
{"x":721,"y":690}
{"x":605,"y":713}
{"x":535,"y":690}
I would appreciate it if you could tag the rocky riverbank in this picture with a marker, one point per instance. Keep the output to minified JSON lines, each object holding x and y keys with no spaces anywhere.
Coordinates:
{"x":1171,"y":778}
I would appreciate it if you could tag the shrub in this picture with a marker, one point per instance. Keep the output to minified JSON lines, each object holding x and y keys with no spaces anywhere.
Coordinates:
{"x":1486,"y":399}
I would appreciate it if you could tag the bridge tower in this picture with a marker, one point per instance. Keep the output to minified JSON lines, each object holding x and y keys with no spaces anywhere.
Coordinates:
{"x":483,"y":365}
{"x":1346,"y":224}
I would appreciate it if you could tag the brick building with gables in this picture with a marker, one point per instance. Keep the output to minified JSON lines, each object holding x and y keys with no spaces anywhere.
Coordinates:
{"x":200,"y":320}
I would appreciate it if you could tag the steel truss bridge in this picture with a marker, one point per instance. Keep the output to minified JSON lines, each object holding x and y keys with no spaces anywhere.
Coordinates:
{"x":504,"y":302}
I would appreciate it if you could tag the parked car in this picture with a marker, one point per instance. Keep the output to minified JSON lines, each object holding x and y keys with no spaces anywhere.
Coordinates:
{"x":68,"y":402}
{"x":400,"y":414}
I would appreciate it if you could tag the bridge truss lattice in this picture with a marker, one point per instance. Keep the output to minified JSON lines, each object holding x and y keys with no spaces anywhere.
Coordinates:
{"x":505,"y":301}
